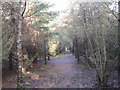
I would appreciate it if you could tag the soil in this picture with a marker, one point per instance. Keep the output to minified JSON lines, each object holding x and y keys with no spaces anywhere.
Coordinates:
{"x":60,"y":72}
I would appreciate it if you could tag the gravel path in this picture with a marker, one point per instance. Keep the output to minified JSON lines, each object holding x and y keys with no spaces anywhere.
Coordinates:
{"x":60,"y":72}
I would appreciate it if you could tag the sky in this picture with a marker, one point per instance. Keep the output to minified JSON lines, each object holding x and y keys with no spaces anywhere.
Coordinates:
{"x":60,"y":5}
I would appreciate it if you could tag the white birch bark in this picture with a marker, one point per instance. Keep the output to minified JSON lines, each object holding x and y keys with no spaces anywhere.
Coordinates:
{"x":22,"y":6}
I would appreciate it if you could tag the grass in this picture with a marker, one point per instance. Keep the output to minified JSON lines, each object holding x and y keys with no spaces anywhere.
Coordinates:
{"x":62,"y":55}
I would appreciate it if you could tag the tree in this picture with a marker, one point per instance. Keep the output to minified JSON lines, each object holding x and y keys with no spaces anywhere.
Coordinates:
{"x":119,"y":43}
{"x":22,"y":7}
{"x":96,"y":28}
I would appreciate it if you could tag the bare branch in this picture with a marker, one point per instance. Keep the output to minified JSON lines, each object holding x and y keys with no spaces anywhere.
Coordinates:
{"x":110,"y":10}
{"x":35,"y":12}
{"x":24,"y":8}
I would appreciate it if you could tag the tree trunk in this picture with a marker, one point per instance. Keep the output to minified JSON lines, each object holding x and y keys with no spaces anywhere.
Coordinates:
{"x":19,"y":47}
{"x":119,"y":43}
{"x":35,"y":60}
{"x":85,"y":39}
{"x":45,"y":56}
{"x":59,"y":49}
{"x":105,"y":80}
{"x":22,"y":7}
{"x":48,"y":53}
{"x":73,"y":47}
{"x":77,"y":49}
{"x":10,"y":61}
{"x":98,"y":79}
{"x":48,"y":56}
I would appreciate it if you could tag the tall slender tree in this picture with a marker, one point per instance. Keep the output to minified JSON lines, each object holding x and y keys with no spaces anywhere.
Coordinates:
{"x":119,"y":42}
{"x":22,"y":7}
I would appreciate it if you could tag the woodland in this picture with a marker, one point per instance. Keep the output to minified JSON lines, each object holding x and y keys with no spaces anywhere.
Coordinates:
{"x":77,"y":47}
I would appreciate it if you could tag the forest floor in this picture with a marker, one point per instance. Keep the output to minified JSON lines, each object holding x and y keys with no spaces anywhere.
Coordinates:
{"x":60,"y":72}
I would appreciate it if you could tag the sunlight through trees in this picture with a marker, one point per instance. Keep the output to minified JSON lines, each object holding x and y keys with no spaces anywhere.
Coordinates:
{"x":36,"y":32}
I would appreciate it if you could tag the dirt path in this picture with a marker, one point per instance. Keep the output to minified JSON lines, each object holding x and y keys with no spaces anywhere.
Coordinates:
{"x":60,"y":72}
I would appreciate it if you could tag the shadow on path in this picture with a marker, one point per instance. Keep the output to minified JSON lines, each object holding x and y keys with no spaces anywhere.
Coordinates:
{"x":60,"y":72}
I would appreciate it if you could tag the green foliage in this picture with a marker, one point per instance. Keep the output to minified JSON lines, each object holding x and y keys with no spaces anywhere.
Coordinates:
{"x":62,"y":55}
{"x":20,"y":85}
{"x":53,"y":34}
{"x":93,"y":27}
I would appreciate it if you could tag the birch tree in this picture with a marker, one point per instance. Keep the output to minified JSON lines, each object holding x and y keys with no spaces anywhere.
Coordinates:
{"x":22,"y":7}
